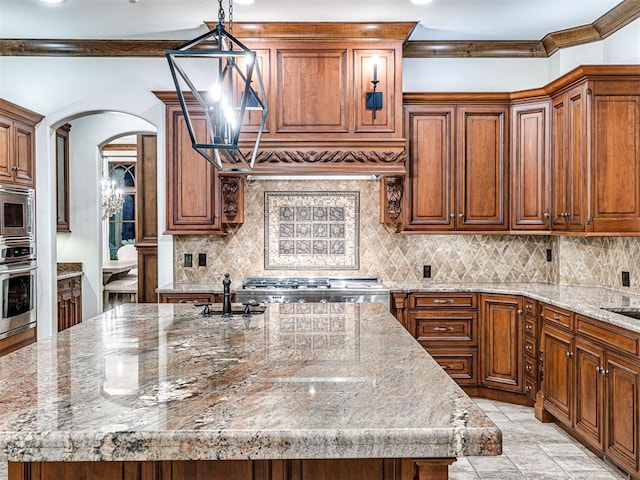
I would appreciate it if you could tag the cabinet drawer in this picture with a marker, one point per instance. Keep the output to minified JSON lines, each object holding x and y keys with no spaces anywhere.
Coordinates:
{"x":557,"y":316}
{"x":611,"y":336}
{"x":460,"y":365}
{"x":443,"y":300}
{"x":530,"y":366}
{"x":187,"y":297}
{"x":530,"y":326}
{"x":443,"y":327}
{"x":530,"y":389}
{"x":530,"y":307}
{"x":529,"y":346}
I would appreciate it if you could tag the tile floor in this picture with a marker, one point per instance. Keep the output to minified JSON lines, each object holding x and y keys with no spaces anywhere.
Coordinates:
{"x":532,"y":451}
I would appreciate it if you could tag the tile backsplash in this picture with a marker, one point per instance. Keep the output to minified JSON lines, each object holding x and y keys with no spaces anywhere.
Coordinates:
{"x":382,"y":252}
{"x":400,"y":258}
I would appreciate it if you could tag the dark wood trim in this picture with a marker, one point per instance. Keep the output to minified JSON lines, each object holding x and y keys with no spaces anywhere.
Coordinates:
{"x":33,"y":47}
{"x":321,"y":31}
{"x":618,"y":17}
{"x":440,"y":98}
{"x":16,"y":112}
{"x":119,"y":147}
{"x":474,"y":49}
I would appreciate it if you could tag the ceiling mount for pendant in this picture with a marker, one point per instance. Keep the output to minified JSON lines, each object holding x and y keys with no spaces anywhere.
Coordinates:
{"x":219,"y":84}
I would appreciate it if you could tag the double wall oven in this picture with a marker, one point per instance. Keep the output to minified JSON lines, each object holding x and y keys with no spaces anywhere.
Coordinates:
{"x":17,"y":260}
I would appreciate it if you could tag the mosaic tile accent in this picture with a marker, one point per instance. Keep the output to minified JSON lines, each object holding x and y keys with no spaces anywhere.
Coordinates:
{"x":318,"y":230}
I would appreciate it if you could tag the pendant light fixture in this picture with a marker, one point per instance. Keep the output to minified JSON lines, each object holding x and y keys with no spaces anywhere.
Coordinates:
{"x":218,"y":82}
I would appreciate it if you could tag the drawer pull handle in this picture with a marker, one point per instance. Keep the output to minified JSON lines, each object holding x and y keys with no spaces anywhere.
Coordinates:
{"x":528,"y":368}
{"x":528,"y":389}
{"x":443,"y":329}
{"x":556,"y":317}
{"x":438,"y":300}
{"x":529,"y":328}
{"x":528,"y":348}
{"x":448,"y":367}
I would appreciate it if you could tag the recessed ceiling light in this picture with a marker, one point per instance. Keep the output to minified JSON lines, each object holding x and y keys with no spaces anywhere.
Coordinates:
{"x":420,"y":2}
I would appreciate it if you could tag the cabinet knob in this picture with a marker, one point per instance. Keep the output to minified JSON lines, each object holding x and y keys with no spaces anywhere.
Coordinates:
{"x":528,"y":348}
{"x":452,"y":215}
{"x":529,"y":328}
{"x":569,"y":354}
{"x":519,"y":312}
{"x":528,"y":369}
{"x":460,"y":215}
{"x":527,"y":389}
{"x":545,"y":216}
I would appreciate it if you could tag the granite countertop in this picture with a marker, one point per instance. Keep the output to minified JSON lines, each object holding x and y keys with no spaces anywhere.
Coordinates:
{"x":161,"y":382}
{"x":66,"y":270}
{"x":588,"y":301}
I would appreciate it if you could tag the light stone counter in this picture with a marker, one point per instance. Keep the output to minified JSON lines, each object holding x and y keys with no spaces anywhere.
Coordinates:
{"x":161,"y":382}
{"x":588,"y":301}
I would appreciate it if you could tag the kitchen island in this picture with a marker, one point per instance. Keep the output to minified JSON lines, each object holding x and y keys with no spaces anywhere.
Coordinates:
{"x":302,"y":391}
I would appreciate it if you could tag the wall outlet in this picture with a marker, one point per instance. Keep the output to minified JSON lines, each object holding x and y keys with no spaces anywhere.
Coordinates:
{"x":202,"y":259}
{"x":626,"y":280}
{"x":188,"y":260}
{"x":549,"y":255}
{"x":426,"y":271}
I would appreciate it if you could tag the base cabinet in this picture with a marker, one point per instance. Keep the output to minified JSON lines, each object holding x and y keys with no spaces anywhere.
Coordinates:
{"x":592,"y":384}
{"x":17,"y":341}
{"x":316,"y":469}
{"x":69,"y":302}
{"x":501,"y":338}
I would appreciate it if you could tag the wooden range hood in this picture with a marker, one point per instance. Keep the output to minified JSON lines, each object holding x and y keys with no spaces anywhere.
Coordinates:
{"x":316,"y":77}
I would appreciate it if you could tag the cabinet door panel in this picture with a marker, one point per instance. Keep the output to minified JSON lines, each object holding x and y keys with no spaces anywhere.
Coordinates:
{"x":6,"y":150}
{"x":558,"y":156}
{"x":482,"y":168}
{"x":616,"y":161}
{"x":576,"y":174}
{"x":192,"y":182}
{"x":589,"y":393}
{"x":24,"y":154}
{"x":364,"y":61}
{"x":432,"y":169}
{"x":501,"y":342}
{"x":623,"y":388}
{"x":312,"y":94}
{"x":530,"y":167}
{"x":558,"y":373}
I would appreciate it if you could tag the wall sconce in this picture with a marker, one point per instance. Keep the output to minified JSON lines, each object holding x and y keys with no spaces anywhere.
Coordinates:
{"x":374,"y":99}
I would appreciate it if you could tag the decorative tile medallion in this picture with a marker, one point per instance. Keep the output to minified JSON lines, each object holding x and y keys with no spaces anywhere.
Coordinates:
{"x":311,"y":230}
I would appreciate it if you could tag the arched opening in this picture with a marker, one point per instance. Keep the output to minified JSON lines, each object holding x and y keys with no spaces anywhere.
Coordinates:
{"x":93,"y":142}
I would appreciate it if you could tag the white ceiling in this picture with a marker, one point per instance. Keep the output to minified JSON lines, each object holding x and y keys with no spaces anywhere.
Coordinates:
{"x":183,"y":19}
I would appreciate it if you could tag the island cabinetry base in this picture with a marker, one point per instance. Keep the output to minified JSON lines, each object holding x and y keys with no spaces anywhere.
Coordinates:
{"x":317,"y":469}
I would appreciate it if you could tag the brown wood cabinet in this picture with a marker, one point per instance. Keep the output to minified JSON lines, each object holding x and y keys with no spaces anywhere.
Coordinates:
{"x":69,"y":302}
{"x":17,"y":144}
{"x":457,"y":167}
{"x":592,"y":383}
{"x":530,"y":166}
{"x":501,"y":339}
{"x":569,"y":159}
{"x":310,"y":469}
{"x":19,"y":340}
{"x":531,"y":348}
{"x":446,"y":325}
{"x":192,"y":297}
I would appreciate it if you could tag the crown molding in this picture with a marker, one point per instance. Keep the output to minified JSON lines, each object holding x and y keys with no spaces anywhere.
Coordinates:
{"x":618,"y":17}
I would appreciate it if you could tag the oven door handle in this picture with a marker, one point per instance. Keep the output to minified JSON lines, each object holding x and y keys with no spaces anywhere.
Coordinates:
{"x":17,"y":269}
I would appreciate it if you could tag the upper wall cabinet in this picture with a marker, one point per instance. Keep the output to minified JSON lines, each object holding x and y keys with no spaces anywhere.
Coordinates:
{"x":530,"y":166}
{"x":574,"y":164}
{"x":319,"y":79}
{"x":17,"y":144}
{"x":458,"y":166}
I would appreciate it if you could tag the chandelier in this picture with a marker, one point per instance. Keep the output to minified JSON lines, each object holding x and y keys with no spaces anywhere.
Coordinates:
{"x":218,"y":82}
{"x":112,"y":199}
